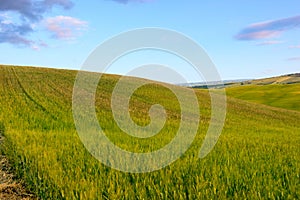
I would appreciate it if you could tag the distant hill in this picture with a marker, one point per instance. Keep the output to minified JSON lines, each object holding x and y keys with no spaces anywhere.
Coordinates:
{"x":284,"y":79}
{"x":281,"y":92}
{"x":215,"y":84}
{"x":277,"y":95}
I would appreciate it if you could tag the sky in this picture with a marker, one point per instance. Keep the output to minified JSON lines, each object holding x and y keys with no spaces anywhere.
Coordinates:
{"x":244,"y":39}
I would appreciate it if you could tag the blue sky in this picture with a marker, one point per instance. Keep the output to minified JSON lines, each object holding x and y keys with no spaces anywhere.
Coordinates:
{"x":245,"y":39}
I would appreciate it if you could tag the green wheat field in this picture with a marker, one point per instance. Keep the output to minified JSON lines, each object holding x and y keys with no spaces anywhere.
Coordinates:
{"x":257,"y":155}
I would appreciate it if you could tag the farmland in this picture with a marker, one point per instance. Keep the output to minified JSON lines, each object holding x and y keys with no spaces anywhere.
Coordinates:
{"x":278,"y":95}
{"x":256,"y":157}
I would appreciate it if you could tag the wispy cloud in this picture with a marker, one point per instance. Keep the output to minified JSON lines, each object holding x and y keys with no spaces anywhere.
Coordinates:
{"x":268,"y":29}
{"x":30,"y":12}
{"x":37,"y":45}
{"x":294,"y":58}
{"x":128,"y":1}
{"x":65,"y":27}
{"x":271,"y":42}
{"x":294,"y":47}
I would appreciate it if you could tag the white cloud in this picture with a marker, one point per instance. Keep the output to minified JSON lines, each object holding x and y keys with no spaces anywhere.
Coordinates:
{"x":65,"y":27}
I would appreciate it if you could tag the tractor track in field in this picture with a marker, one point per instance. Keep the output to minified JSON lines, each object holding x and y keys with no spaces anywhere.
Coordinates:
{"x":31,"y":98}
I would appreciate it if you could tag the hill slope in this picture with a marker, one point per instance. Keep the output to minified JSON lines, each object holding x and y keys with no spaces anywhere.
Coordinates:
{"x":257,"y":155}
{"x":285,"y":79}
{"x":278,"y":95}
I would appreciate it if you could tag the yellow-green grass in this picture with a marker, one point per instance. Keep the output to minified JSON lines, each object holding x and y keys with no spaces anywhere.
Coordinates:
{"x":286,"y":79}
{"x":278,"y":95}
{"x":256,"y":157}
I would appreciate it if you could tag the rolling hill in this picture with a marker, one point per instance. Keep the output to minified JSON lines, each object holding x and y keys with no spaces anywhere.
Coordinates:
{"x":278,"y":95}
{"x":285,"y":79}
{"x":256,"y":157}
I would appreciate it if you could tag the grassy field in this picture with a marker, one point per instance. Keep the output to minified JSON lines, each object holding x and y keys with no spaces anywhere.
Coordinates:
{"x":285,"y":79}
{"x":256,"y":157}
{"x":278,"y":95}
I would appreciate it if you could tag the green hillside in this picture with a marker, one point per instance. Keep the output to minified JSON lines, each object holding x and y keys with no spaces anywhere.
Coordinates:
{"x":256,"y":157}
{"x":278,"y":95}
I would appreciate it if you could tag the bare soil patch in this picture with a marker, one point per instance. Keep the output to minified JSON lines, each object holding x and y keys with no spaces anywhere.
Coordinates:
{"x":10,"y":188}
